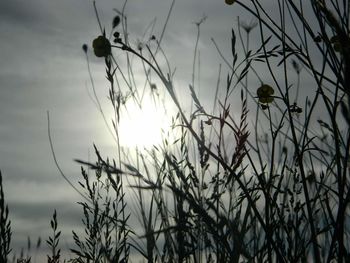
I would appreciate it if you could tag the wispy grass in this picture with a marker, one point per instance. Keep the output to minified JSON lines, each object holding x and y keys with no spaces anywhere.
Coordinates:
{"x":53,"y":241}
{"x":5,"y":227}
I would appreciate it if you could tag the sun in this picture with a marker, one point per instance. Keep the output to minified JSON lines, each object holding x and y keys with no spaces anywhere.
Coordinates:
{"x":145,"y":126}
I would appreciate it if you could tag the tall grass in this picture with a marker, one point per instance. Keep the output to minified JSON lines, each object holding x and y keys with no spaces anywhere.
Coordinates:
{"x":227,"y":190}
{"x":5,"y":226}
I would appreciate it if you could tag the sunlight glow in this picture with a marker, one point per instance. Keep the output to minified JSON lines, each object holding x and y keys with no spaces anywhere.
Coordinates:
{"x":143,"y":127}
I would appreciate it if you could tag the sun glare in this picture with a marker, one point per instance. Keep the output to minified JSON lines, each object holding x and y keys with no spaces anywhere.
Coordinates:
{"x":143,"y":127}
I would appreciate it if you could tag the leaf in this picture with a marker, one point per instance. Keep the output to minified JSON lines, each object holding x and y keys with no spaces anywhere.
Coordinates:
{"x":233,"y":44}
{"x":77,"y":252}
{"x":132,"y":169}
{"x":345,"y":112}
{"x":58,"y":235}
{"x":195,"y":99}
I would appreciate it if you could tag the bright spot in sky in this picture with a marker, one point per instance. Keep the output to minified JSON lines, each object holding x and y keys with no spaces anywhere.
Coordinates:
{"x":143,"y":127}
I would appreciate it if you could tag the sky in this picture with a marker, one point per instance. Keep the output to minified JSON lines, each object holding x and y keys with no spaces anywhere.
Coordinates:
{"x":43,"y":68}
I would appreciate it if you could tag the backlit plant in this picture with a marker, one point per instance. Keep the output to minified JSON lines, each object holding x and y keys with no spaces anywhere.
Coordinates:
{"x":267,"y":185}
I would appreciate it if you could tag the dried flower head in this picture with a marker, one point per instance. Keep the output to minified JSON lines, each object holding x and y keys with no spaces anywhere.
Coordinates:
{"x":249,"y":27}
{"x":265,"y":93}
{"x":101,"y":46}
{"x":295,"y":108}
{"x":230,"y":2}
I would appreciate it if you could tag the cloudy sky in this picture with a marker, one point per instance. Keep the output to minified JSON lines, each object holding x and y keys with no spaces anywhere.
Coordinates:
{"x":43,"y":68}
